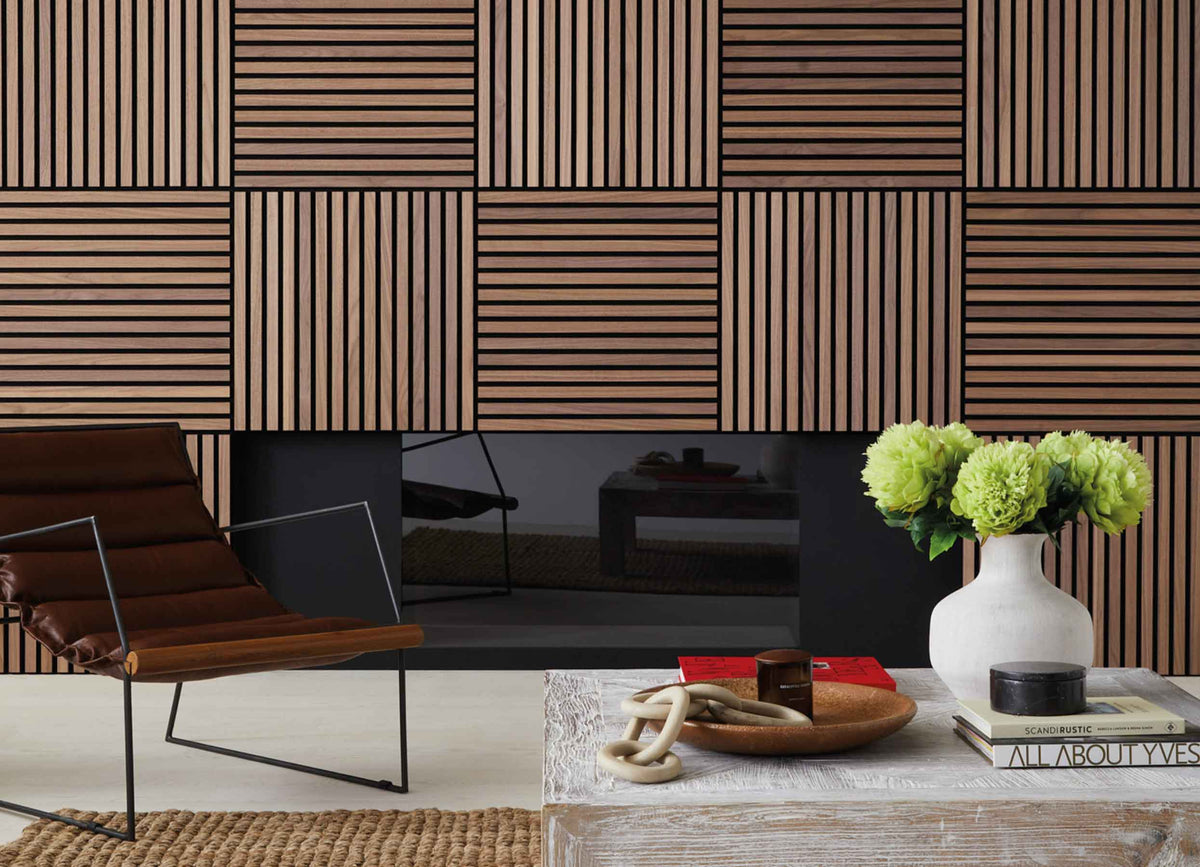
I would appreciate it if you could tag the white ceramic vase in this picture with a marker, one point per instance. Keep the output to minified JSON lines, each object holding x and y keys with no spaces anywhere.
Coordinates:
{"x":1009,"y":613}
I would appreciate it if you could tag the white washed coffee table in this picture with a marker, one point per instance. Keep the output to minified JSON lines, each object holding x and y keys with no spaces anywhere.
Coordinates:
{"x":919,"y":797}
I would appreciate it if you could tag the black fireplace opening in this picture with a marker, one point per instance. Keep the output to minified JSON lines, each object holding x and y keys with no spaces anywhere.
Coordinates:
{"x":595,"y":549}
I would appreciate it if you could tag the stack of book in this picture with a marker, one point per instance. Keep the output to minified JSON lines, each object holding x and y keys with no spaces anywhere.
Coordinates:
{"x":1114,"y":731}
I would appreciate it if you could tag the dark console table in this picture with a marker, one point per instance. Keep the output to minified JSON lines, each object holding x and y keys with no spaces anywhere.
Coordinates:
{"x":625,"y":497}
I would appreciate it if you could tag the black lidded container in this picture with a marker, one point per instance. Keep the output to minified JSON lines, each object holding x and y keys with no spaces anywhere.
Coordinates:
{"x":1039,"y":688}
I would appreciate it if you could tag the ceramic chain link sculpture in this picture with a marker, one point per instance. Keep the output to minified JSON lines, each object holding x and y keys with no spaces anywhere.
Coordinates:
{"x":632,"y":760}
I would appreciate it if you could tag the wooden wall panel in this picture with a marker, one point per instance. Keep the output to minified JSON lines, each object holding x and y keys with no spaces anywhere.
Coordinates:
{"x":1081,"y":311}
{"x":332,"y":94}
{"x":1082,"y":93}
{"x":353,"y":310}
{"x":114,"y":307}
{"x":209,"y":454}
{"x":842,"y":93}
{"x":597,"y":310}
{"x":114,"y":93}
{"x":841,"y":311}
{"x":603,"y":93}
{"x":1140,"y":586}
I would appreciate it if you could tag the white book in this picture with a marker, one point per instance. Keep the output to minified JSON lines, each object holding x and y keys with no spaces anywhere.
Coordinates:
{"x":1164,"y":751}
{"x":1121,"y":715}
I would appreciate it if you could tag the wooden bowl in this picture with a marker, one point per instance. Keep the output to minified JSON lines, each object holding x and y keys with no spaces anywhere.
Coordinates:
{"x":845,"y":716}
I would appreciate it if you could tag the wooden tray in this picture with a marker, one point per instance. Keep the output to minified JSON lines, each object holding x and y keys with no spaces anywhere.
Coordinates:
{"x":845,"y":716}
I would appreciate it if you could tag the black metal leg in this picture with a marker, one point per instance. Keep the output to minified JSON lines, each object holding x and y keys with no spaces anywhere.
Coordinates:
{"x":130,"y":832}
{"x":386,"y":785}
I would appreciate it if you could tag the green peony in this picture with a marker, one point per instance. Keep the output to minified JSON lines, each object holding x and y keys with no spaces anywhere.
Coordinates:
{"x":905,"y":466}
{"x":959,"y":441}
{"x":1118,"y":489}
{"x":1074,"y":453}
{"x":1001,"y":487}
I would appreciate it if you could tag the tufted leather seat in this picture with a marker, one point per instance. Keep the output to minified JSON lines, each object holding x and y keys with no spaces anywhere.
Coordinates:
{"x":177,"y":579}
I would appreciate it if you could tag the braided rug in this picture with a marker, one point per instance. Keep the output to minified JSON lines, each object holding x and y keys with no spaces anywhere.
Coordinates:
{"x":493,"y":837}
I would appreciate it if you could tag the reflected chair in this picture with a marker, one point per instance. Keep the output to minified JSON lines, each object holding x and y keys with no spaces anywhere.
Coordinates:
{"x":442,"y":503}
{"x":113,"y":562}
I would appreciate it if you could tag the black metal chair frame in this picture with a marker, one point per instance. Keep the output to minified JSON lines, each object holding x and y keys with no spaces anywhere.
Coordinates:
{"x":129,"y":833}
{"x":482,"y":594}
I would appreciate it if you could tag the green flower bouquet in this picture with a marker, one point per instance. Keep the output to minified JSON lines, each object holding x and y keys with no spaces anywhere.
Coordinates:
{"x":942,"y":484}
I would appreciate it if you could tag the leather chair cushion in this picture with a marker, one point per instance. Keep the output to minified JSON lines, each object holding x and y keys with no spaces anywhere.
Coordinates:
{"x":440,"y":503}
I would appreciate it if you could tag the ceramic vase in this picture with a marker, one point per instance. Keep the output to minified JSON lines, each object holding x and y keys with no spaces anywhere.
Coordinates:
{"x":1009,"y":613}
{"x":779,"y":461}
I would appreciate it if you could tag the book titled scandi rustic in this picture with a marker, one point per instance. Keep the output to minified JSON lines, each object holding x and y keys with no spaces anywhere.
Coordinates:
{"x":1181,"y":749}
{"x":1121,"y":715}
{"x":864,"y":670}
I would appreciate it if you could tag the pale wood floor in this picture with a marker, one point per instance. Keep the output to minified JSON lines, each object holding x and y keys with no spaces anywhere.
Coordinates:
{"x":475,"y":741}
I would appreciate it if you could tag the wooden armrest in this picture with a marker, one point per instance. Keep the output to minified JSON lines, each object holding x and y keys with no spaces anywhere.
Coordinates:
{"x":280,"y":648}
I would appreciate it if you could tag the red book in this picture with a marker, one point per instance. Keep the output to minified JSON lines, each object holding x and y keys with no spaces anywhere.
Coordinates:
{"x":843,"y":669}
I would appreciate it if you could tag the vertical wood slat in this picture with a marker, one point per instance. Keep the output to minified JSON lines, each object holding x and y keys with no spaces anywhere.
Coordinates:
{"x":606,"y":93}
{"x":843,"y":306}
{"x":1102,"y":92}
{"x":210,"y":457}
{"x":354,"y":310}
{"x":81,"y":112}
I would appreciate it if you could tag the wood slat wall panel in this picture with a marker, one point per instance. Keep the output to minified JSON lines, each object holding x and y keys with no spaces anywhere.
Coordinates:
{"x":1140,"y":586}
{"x":354,"y":310}
{"x":1081,"y":311}
{"x":841,"y":311}
{"x":354,"y":95}
{"x":842,"y":94}
{"x":114,"y":307}
{"x":606,"y":93}
{"x":597,"y":310}
{"x":1082,"y":93}
{"x":209,"y":454}
{"x":103,"y":93}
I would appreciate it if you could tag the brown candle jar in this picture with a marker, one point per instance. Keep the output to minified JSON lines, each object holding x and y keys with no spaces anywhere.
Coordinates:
{"x":785,"y":677}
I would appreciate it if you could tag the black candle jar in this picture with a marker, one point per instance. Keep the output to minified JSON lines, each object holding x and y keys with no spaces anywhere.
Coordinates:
{"x":1039,"y":688}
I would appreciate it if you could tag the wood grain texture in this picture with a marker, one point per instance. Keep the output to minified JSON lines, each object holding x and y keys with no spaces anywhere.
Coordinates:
{"x":1138,"y":585}
{"x":1080,"y":311}
{"x":607,"y":93}
{"x":210,"y":455}
{"x":840,"y":311}
{"x":842,"y":94}
{"x":115,"y":307}
{"x":1081,"y":93}
{"x":354,"y":310}
{"x":354,"y":94}
{"x":104,"y":93}
{"x":597,"y":310}
{"x":919,"y":797}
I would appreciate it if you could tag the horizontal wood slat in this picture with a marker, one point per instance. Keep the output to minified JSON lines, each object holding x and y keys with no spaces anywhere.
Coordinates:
{"x":1080,"y":311}
{"x":1081,"y":93}
{"x":1141,"y":585}
{"x":841,"y":95}
{"x":354,"y":97}
{"x":353,"y":310}
{"x":637,"y":307}
{"x":840,"y":311}
{"x":209,"y":454}
{"x":128,"y":325}
{"x":605,"y":93}
{"x":115,"y":93}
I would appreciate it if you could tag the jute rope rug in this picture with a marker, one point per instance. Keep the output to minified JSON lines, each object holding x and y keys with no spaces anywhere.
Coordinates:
{"x":436,"y":555}
{"x":495,"y":837}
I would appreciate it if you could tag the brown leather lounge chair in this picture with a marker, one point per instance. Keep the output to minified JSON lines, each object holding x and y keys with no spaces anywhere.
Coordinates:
{"x":113,"y":562}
